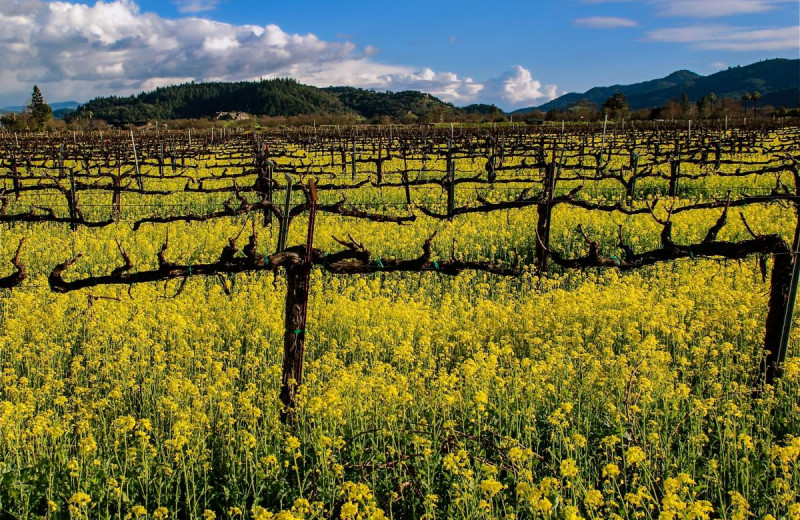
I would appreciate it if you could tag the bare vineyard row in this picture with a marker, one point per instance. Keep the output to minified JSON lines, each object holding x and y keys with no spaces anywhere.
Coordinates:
{"x":544,"y":168}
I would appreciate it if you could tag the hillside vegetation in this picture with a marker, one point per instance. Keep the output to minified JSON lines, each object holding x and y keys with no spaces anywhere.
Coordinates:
{"x":276,"y":97}
{"x":777,"y":80}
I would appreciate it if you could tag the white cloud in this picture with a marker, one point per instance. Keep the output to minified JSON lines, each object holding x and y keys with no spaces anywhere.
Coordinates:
{"x":706,"y":8}
{"x":517,"y":88}
{"x":512,"y":89}
{"x":718,"y":65}
{"x":369,"y":50}
{"x":605,"y":22}
{"x":723,"y":37}
{"x":445,"y":85}
{"x":78,"y":51}
{"x":195,"y":6}
{"x":714,"y":8}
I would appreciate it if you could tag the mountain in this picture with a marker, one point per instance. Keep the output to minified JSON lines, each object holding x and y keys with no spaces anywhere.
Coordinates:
{"x":63,"y":105}
{"x":283,"y":97}
{"x":482,"y":109}
{"x":408,"y":104}
{"x":600,"y":94}
{"x":778,"y":81}
{"x":276,"y":97}
{"x":62,"y":113}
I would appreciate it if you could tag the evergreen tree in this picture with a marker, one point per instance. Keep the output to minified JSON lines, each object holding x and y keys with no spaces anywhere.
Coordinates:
{"x":685,"y":104}
{"x":616,"y":106}
{"x":40,"y":111}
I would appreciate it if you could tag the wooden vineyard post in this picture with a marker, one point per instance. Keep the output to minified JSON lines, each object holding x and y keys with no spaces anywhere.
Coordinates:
{"x":136,"y":163}
{"x":264,"y":170}
{"x":783,"y":288}
{"x":270,"y":172}
{"x":116,"y":200}
{"x":544,"y":211}
{"x":298,"y":280}
{"x":674,"y":172}
{"x":343,"y":154}
{"x":491,"y":173}
{"x":406,"y":186}
{"x":284,"y":230}
{"x":353,"y":158}
{"x":784,"y":293}
{"x":73,"y":212}
{"x":15,"y":173}
{"x":379,"y":162}
{"x":161,"y":159}
{"x":451,"y":180}
{"x":634,"y":164}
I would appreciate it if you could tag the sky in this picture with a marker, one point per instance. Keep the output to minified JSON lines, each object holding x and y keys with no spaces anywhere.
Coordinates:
{"x":511,"y":53}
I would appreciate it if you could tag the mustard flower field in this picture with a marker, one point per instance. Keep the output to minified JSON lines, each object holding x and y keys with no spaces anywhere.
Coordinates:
{"x":613,"y":390}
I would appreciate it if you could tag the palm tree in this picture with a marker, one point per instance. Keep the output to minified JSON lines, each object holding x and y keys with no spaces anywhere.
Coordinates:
{"x":746,"y":97}
{"x":756,"y":97}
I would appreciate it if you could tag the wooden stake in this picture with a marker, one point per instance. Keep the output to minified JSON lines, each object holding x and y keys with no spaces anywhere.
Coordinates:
{"x":136,"y":163}
{"x":298,"y":282}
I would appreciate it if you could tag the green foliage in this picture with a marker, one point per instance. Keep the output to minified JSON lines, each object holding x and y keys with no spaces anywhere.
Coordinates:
{"x":407,"y":106}
{"x":40,"y":111}
{"x":617,"y":106}
{"x":275,"y":97}
{"x":616,"y":102}
{"x":279,"y":97}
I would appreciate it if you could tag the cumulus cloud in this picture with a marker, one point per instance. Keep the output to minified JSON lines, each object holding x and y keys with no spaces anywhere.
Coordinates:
{"x":513,"y":89}
{"x":77,"y":51}
{"x":445,"y":85}
{"x":605,"y":22}
{"x":89,"y":49}
{"x":723,"y":37}
{"x":517,"y":88}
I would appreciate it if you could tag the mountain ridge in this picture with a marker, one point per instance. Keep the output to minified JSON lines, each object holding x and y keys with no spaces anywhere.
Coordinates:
{"x":767,"y":77}
{"x":777,"y":80}
{"x":60,"y":105}
{"x":274,"y":97}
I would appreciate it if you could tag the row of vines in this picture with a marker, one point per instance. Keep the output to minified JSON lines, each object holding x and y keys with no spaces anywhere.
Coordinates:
{"x":505,"y":322}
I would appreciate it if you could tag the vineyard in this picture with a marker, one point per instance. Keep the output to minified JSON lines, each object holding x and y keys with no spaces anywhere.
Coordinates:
{"x":552,"y":322}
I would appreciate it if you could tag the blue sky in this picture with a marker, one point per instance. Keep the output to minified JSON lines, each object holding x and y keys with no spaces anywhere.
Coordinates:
{"x":513,"y":54}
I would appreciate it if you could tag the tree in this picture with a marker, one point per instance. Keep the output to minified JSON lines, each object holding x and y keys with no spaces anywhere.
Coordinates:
{"x":685,"y":105}
{"x":746,"y":97}
{"x":583,"y":110}
{"x":40,"y":111}
{"x":671,"y":110}
{"x":756,"y":96}
{"x":729,"y":106}
{"x":617,"y":105}
{"x":706,"y":105}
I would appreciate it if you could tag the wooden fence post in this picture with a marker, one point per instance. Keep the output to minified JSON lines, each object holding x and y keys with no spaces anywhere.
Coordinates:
{"x":674,"y":172}
{"x":285,"y":217}
{"x":298,"y":280}
{"x":544,"y":210}
{"x":451,"y":180}
{"x":784,"y":295}
{"x":634,"y":164}
{"x":136,"y":163}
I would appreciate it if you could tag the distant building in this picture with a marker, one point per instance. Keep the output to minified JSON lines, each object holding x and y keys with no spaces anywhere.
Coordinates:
{"x":232,"y":116}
